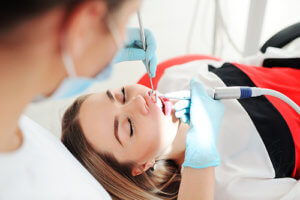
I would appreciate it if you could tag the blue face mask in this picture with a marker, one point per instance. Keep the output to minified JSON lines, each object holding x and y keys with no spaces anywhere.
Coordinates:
{"x":73,"y":84}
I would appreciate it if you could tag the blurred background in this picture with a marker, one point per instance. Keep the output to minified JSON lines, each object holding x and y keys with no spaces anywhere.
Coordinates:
{"x":229,"y":29}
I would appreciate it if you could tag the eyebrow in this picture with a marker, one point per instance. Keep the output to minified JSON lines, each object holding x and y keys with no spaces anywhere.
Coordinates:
{"x":116,"y":127}
{"x":110,"y":96}
{"x":116,"y":120}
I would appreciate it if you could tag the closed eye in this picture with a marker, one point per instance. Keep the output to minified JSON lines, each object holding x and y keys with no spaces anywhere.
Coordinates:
{"x":131,"y":130}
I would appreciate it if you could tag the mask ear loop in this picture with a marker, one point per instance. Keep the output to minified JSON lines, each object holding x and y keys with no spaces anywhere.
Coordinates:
{"x":67,"y":60}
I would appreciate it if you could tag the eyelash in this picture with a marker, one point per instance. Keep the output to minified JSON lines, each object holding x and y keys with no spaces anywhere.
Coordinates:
{"x":131,"y":130}
{"x":124,"y":94}
{"x":129,"y":120}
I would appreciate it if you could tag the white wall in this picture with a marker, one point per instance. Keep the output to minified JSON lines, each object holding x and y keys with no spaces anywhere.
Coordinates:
{"x":170,"y":21}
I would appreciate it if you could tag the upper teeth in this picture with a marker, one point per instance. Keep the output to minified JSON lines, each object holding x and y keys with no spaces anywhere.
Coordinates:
{"x":159,"y":103}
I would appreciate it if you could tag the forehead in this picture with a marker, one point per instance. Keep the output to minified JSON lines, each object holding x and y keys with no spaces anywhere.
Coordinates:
{"x":96,"y":119}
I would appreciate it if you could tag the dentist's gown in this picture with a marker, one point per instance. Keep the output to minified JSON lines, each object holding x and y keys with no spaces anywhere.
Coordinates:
{"x":42,"y":168}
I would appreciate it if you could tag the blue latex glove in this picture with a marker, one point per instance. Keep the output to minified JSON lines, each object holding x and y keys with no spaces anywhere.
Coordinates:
{"x":204,"y":115}
{"x":133,"y":49}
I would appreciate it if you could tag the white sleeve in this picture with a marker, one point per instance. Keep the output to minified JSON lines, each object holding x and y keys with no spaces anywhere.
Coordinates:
{"x":264,"y":189}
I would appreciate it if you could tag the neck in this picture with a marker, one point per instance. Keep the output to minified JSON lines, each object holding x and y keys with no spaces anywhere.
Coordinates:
{"x":30,"y":65}
{"x":16,"y":91}
{"x":178,"y":146}
{"x":24,"y":73}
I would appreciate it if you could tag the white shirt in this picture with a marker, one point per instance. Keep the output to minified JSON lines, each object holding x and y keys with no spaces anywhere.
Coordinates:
{"x":42,"y":168}
{"x":246,"y":170}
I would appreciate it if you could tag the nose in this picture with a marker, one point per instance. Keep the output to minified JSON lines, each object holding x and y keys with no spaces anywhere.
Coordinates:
{"x":137,"y":105}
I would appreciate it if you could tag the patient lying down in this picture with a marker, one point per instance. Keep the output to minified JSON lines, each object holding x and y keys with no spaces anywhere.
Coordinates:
{"x":135,"y":147}
{"x":131,"y":145}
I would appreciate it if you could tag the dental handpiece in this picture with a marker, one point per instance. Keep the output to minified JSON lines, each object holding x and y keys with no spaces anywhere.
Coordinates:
{"x":235,"y":92}
{"x":215,"y":93}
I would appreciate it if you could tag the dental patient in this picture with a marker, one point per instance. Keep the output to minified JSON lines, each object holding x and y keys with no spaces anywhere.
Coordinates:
{"x":135,"y":146}
{"x":120,"y":134}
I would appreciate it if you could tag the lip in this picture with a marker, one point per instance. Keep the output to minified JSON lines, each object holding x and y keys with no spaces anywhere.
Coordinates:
{"x":148,"y":101}
{"x":163,"y":105}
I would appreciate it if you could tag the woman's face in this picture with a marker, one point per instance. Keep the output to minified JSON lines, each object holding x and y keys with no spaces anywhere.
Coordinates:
{"x":128,"y":124}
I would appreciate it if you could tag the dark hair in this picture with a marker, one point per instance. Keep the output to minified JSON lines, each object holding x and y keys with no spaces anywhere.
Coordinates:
{"x":159,"y":183}
{"x":14,"y":12}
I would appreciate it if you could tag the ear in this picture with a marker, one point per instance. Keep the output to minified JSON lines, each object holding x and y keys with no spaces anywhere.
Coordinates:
{"x":84,"y":22}
{"x":137,"y":170}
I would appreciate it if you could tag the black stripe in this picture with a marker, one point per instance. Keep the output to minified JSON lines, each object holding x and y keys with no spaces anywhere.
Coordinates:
{"x":271,"y":126}
{"x":282,"y":62}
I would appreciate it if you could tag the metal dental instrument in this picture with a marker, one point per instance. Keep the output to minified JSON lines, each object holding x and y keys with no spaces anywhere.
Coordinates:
{"x":145,"y":47}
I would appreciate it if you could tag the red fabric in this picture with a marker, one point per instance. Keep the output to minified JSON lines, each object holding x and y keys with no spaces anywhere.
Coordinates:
{"x":286,"y":81}
{"x":169,"y":63}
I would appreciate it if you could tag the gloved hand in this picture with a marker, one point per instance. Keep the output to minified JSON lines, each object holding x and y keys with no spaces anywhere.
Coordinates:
{"x":133,"y":49}
{"x":205,"y":116}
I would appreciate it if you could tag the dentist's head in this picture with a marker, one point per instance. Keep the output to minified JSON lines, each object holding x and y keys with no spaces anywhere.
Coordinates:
{"x":49,"y":40}
{"x":44,"y":44}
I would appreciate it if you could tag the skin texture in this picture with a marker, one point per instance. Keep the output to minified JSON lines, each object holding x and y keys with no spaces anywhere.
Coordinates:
{"x":153,"y":133}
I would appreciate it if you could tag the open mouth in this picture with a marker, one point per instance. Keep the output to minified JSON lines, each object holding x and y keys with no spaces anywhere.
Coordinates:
{"x":164,"y":104}
{"x":161,"y":104}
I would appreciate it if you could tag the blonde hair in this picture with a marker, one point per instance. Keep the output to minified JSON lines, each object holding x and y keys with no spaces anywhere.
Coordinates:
{"x":115,"y":177}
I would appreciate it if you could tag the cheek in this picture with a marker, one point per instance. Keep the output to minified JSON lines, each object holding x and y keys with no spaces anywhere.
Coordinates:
{"x":156,"y":135}
{"x":123,"y":34}
{"x":108,"y":47}
{"x":90,"y":63}
{"x":166,"y":131}
{"x":147,"y":143}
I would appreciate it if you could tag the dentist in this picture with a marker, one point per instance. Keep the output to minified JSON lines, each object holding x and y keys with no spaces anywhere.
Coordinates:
{"x":50,"y":49}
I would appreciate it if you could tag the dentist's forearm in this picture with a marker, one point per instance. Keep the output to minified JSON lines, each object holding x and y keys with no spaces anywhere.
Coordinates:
{"x":197,"y":184}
